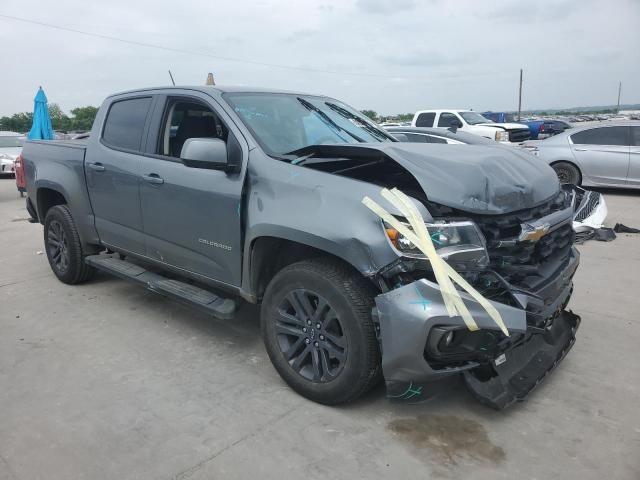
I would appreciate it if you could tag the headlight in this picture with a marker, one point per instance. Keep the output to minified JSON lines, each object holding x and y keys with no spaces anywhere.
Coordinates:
{"x":502,"y":136}
{"x":456,"y":241}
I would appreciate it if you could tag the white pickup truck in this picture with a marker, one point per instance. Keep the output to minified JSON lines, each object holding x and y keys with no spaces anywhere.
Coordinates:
{"x":472,"y":122}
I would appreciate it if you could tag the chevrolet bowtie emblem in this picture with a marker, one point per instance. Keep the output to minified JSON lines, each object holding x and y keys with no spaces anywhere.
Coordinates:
{"x":532,"y":234}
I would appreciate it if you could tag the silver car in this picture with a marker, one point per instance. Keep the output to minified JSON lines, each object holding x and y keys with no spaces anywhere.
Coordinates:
{"x":10,"y":147}
{"x":602,"y":155}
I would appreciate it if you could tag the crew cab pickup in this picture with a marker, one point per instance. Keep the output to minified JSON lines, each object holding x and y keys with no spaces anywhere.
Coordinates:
{"x":215,"y":196}
{"x":472,"y":122}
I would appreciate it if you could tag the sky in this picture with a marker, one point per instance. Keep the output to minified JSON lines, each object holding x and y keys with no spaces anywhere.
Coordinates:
{"x":391,"y":56}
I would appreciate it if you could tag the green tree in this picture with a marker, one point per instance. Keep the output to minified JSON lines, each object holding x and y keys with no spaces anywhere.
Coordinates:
{"x":372,"y":114}
{"x":83,"y":117}
{"x":18,"y":122}
{"x":59,"y":119}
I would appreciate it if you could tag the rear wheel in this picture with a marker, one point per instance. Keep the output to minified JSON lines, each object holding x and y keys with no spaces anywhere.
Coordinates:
{"x":63,"y":247}
{"x":317,"y":328}
{"x":567,"y":173}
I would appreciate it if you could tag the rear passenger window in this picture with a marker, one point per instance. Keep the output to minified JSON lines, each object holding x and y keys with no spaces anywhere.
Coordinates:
{"x":432,"y":139}
{"x":416,"y":138}
{"x":125,"y":123}
{"x":635,"y":136}
{"x":602,"y":136}
{"x":424,"y":138}
{"x":425,"y":119}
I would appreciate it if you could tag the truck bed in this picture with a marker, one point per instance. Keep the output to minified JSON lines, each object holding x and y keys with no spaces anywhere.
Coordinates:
{"x":58,"y":165}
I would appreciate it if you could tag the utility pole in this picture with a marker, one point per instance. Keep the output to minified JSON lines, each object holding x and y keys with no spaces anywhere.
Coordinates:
{"x":619,"y":91}
{"x":520,"y":97}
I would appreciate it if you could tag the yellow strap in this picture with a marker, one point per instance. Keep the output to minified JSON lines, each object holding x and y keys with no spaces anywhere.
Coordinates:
{"x":419,"y":236}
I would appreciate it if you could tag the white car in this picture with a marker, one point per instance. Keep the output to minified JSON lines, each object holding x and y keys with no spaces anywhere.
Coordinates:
{"x":10,"y":147}
{"x":471,"y":122}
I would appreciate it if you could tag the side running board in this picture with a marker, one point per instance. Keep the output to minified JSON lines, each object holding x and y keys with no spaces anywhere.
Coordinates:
{"x":223,"y":308}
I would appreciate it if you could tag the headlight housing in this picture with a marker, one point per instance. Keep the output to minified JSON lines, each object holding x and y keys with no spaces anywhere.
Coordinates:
{"x":502,"y":136}
{"x":459,"y":242}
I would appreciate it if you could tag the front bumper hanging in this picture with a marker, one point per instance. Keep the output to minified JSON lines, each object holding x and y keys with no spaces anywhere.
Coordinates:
{"x":526,"y":365}
{"x":407,"y":315}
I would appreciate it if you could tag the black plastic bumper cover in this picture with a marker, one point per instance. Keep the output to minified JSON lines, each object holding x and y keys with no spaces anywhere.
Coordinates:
{"x":526,"y":365}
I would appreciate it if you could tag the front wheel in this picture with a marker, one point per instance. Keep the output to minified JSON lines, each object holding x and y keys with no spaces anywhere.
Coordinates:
{"x":317,"y":329}
{"x":567,"y":173}
{"x":63,"y":247}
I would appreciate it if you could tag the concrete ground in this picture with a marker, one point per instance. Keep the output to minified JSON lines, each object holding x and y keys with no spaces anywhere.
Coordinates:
{"x":106,"y":380}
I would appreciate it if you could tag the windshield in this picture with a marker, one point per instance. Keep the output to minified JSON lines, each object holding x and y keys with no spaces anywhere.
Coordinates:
{"x":473,"y":118}
{"x":285,"y":123}
{"x":15,"y":142}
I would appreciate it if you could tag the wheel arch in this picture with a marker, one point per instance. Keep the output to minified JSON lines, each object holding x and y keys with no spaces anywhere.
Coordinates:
{"x":268,"y":255}
{"x":46,"y":198}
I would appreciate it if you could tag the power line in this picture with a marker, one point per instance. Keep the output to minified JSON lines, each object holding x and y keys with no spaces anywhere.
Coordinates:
{"x":230,"y":59}
{"x":190,"y":52}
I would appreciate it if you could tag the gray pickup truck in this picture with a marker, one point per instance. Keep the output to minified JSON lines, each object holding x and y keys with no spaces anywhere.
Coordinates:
{"x":214,"y":196}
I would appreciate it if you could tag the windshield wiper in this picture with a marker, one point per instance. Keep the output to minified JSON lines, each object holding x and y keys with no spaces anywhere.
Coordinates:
{"x":327,"y":119}
{"x":373,"y":131}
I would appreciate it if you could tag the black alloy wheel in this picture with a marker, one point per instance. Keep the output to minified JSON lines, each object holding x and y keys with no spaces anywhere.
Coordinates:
{"x":58,"y":247}
{"x":318,"y":330}
{"x":310,"y":336}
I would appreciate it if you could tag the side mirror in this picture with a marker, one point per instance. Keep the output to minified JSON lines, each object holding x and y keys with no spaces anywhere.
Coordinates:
{"x":207,"y":153}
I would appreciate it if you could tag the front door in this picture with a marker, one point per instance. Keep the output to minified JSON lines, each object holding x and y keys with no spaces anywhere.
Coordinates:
{"x":191,"y":216}
{"x":602,"y":154}
{"x":112,"y":166}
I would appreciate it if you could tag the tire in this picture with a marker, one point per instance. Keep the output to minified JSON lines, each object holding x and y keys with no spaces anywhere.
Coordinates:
{"x":567,"y":173}
{"x":63,"y":247}
{"x":345,"y":361}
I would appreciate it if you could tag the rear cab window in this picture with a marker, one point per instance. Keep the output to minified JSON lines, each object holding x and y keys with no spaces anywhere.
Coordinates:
{"x":124,"y":126}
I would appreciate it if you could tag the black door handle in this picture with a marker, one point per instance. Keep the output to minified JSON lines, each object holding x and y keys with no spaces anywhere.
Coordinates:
{"x":153,"y":178}
{"x":98,"y":167}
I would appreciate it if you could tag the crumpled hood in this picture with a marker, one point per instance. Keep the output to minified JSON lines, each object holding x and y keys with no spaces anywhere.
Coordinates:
{"x":486,"y":179}
{"x":491,"y":179}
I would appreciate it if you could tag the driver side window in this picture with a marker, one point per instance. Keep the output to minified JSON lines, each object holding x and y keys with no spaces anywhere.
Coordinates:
{"x":447,"y":120}
{"x":185,"y":119}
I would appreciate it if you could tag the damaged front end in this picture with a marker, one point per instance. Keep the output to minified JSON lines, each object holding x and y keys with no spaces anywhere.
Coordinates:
{"x":526,"y":273}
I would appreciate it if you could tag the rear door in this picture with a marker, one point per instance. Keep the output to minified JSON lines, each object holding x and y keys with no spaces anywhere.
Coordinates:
{"x":602,"y":153}
{"x":112,"y":168}
{"x":633,"y":178}
{"x":191,"y":216}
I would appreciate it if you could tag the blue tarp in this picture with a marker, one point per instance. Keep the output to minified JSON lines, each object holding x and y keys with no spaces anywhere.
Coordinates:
{"x":41,"y":128}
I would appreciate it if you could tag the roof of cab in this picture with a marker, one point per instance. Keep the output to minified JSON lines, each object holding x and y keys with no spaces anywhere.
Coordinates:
{"x":212,"y":88}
